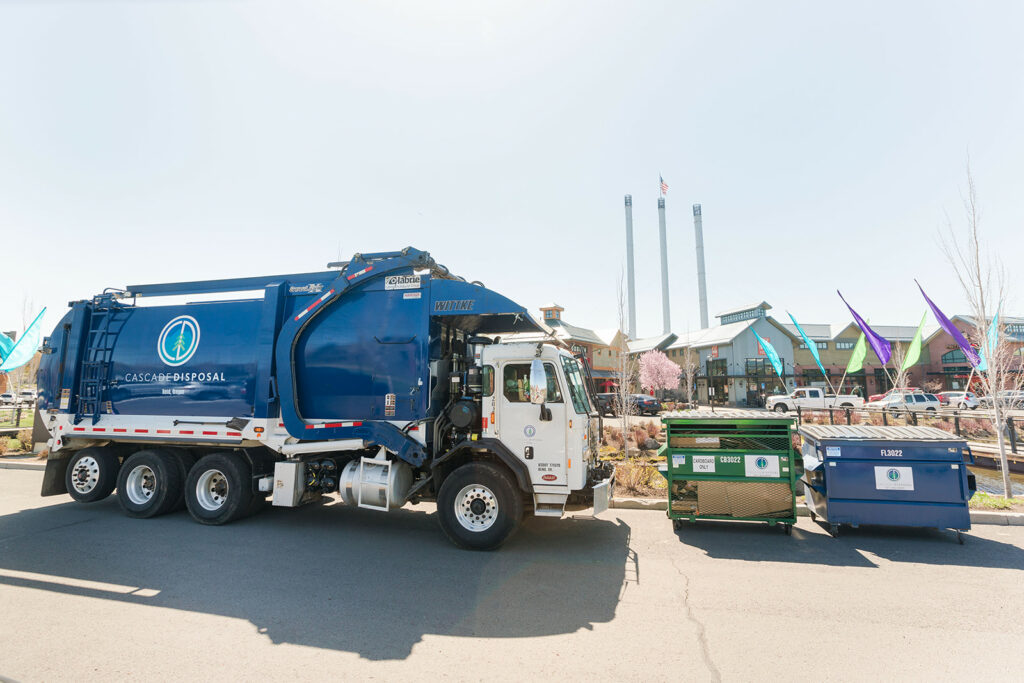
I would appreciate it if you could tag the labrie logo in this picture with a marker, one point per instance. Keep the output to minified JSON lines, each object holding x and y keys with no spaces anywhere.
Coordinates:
{"x":761,"y":463}
{"x":178,"y":340}
{"x":893,"y":474}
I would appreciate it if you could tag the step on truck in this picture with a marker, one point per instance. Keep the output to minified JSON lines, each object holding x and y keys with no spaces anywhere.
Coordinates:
{"x":383,"y":380}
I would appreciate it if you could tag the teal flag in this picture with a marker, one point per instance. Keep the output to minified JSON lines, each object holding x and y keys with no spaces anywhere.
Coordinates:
{"x":810,"y":344}
{"x":769,"y":351}
{"x":993,"y":340}
{"x":25,"y":347}
{"x":6,"y":344}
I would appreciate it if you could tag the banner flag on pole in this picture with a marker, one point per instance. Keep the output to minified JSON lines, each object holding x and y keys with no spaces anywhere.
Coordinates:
{"x":993,"y":340}
{"x":769,"y":351}
{"x":860,"y":352}
{"x":946,"y":324}
{"x":810,"y":344}
{"x":25,"y":347}
{"x":914,"y":350}
{"x":6,"y":344}
{"x":881,"y":347}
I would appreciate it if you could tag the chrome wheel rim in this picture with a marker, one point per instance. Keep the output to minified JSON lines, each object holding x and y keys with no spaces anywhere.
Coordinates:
{"x":476,"y":508}
{"x":85,"y":475}
{"x":140,"y":484}
{"x":212,"y":490}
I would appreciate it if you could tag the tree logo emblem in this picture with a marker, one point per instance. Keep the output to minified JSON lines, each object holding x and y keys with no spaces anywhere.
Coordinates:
{"x":178,"y":340}
{"x":530,"y":431}
{"x":892,"y":474}
{"x":761,"y":463}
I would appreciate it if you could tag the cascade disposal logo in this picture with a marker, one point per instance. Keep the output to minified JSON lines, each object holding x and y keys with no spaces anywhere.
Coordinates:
{"x":178,"y":340}
{"x":761,"y":463}
{"x":893,"y":474}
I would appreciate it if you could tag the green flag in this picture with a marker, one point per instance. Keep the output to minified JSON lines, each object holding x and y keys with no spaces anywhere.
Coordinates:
{"x":914,"y":350}
{"x":860,"y":352}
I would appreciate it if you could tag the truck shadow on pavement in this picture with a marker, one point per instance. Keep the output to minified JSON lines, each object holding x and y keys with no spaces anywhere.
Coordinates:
{"x":811,"y":544}
{"x":328,"y":576}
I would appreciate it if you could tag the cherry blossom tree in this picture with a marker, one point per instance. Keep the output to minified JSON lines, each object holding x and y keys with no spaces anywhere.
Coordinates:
{"x":658,"y":372}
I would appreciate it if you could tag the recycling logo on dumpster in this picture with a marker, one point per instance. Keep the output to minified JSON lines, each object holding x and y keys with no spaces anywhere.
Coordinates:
{"x":894,"y":478}
{"x":761,"y":465}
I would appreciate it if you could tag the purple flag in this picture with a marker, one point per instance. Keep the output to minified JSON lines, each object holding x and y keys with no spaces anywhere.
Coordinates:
{"x":881,"y":347}
{"x":972,"y":356}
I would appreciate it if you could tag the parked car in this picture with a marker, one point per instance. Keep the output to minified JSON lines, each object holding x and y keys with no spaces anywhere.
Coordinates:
{"x":8,"y":399}
{"x":812,"y":397}
{"x":900,"y":403}
{"x":881,"y":397}
{"x":959,"y":399}
{"x":641,"y":404}
{"x":26,"y":396}
{"x":646,"y":405}
{"x":1012,"y":399}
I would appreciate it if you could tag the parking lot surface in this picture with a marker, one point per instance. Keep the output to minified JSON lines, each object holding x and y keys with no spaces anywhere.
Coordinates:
{"x":327,"y":591}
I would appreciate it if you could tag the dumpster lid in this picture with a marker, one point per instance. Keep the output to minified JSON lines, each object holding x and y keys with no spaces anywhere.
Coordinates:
{"x":877,"y":433}
{"x":706,"y":414}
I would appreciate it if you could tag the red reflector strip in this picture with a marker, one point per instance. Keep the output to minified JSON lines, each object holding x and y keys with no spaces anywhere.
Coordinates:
{"x":334,"y":425}
{"x":314,"y":304}
{"x":209,"y":433}
{"x":367,"y":269}
{"x":234,"y":433}
{"x":79,"y":429}
{"x":185,"y":431}
{"x":142,"y":431}
{"x":121,"y":431}
{"x":163,"y":431}
{"x":99,"y":429}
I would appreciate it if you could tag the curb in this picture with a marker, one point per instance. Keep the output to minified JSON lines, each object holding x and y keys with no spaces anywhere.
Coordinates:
{"x":977,"y":516}
{"x":21,"y":464}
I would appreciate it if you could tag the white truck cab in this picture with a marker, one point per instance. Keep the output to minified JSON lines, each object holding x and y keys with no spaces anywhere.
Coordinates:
{"x":812,"y":397}
{"x":556,"y":438}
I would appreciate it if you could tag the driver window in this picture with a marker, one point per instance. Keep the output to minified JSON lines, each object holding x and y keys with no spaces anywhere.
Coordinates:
{"x":516,"y":383}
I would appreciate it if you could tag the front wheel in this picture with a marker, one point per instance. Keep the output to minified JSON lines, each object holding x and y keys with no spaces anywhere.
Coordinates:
{"x":780,"y":408}
{"x":479,"y":506}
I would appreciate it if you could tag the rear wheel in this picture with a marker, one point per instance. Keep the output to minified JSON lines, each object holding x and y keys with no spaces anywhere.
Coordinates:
{"x":780,"y":408}
{"x":219,"y":489}
{"x":149,"y":483}
{"x":479,"y":506}
{"x":92,"y":474}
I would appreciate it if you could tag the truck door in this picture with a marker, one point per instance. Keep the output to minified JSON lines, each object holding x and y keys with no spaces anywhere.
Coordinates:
{"x":539,"y":443}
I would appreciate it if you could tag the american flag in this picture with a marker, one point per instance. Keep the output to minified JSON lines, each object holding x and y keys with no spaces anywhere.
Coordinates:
{"x":664,"y":185}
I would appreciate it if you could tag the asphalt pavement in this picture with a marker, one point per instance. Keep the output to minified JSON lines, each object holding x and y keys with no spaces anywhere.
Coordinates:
{"x":327,"y":591}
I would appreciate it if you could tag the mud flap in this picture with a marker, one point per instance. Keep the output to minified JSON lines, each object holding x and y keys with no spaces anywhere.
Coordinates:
{"x":603,"y":495}
{"x":53,"y":477}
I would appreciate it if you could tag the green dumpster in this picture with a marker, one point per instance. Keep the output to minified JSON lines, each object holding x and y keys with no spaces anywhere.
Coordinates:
{"x":733,"y":465}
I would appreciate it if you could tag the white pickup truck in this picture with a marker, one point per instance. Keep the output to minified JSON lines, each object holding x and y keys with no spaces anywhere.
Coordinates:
{"x":812,"y":397}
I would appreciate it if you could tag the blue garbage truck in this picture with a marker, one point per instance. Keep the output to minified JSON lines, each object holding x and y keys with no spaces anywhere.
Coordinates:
{"x":383,"y":379}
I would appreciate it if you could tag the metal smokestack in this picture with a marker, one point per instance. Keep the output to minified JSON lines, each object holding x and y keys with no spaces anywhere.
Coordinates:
{"x":702,"y":287}
{"x":631,"y":283}
{"x":666,"y":317}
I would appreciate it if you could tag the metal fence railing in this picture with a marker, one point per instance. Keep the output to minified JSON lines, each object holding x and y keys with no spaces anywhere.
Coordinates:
{"x":965,"y":424}
{"x":16,"y":416}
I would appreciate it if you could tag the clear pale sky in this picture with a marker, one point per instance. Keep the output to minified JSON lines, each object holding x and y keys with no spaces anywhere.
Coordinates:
{"x":163,"y":141}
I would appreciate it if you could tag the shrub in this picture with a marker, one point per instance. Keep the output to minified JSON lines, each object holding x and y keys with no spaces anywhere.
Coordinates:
{"x":653,"y":429}
{"x":25,"y":436}
{"x":13,"y":446}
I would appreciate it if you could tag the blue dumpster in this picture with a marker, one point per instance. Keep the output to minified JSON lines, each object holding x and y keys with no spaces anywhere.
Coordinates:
{"x":897,"y":476}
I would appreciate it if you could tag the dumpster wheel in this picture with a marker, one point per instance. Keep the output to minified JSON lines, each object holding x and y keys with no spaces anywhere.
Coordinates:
{"x":833,"y":530}
{"x":788,"y":529}
{"x":959,"y":536}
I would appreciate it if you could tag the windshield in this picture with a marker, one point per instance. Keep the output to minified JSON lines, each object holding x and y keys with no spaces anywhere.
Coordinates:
{"x":577,"y":392}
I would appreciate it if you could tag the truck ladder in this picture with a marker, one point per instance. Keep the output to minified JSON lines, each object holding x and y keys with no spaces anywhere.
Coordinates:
{"x":106,"y":321}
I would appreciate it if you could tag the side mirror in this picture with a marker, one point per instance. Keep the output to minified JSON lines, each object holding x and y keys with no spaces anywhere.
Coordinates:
{"x":538,"y":382}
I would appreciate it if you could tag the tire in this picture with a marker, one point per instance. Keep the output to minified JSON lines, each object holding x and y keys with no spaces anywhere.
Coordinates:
{"x":218,"y":489}
{"x":149,"y":483}
{"x":780,"y":408}
{"x":846,"y":405}
{"x":92,"y":474}
{"x":479,"y":506}
{"x":929,"y":409}
{"x":962,"y":406}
